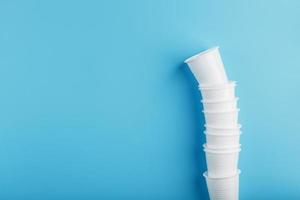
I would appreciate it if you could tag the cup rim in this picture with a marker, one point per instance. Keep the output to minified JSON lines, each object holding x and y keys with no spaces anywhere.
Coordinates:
{"x":205,"y":174}
{"x":239,"y":126}
{"x":192,"y":58}
{"x":218,"y":87}
{"x":237,"y":147}
{"x":221,"y":111}
{"x":217,"y":148}
{"x":222,"y":135}
{"x":224,"y":150}
{"x":219,"y":101}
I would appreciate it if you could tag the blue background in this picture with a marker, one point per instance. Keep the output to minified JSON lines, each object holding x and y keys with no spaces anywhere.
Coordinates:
{"x":96,"y":102}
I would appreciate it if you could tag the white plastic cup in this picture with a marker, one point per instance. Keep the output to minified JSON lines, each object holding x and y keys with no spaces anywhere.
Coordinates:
{"x":208,"y":67}
{"x":222,"y":119}
{"x":223,"y":188}
{"x":220,"y":105}
{"x":223,"y":131}
{"x":225,"y":91}
{"x":215,"y":141}
{"x":221,"y":163}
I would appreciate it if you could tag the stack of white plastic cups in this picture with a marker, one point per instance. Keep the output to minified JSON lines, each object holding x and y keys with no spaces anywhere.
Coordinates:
{"x":222,"y":129}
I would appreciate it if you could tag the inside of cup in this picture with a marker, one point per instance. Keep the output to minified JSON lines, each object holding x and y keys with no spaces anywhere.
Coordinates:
{"x":201,"y":54}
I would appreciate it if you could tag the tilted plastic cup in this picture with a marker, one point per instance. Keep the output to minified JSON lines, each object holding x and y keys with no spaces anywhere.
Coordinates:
{"x":217,"y":141}
{"x":223,"y":188}
{"x":221,"y":163}
{"x":208,"y":67}
{"x":223,"y":131}
{"x":222,"y":119}
{"x":219,"y":92}
{"x":220,"y":105}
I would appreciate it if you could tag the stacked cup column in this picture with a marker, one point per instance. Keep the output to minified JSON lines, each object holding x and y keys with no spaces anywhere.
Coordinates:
{"x":222,"y":129}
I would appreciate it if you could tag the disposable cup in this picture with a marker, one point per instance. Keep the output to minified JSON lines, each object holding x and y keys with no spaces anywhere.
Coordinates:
{"x":208,"y":67}
{"x":221,"y":163}
{"x":219,"y":92}
{"x":223,"y":188}
{"x":214,"y":141}
{"x":222,"y":119}
{"x":223,"y":131}
{"x":224,"y":105}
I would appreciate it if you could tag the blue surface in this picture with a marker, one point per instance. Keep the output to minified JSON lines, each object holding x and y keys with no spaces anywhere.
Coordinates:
{"x":96,"y":102}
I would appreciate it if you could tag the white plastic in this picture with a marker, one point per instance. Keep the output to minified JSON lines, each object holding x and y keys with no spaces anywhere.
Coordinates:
{"x":224,"y":119}
{"x":225,"y":148}
{"x":223,"y":131}
{"x":224,"y":105}
{"x":217,"y":141}
{"x":208,"y":67}
{"x":221,"y":163}
{"x":219,"y":92}
{"x":223,"y":188}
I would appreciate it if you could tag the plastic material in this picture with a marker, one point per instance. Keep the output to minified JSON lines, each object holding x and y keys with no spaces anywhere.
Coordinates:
{"x":223,"y":105}
{"x":216,"y":141}
{"x":223,"y":131}
{"x":219,"y":92}
{"x":223,"y":188}
{"x":224,"y":119}
{"x":221,"y":163}
{"x":208,"y":67}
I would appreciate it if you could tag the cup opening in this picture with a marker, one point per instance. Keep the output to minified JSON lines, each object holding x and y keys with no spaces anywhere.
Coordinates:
{"x":201,"y":54}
